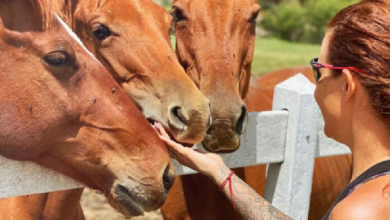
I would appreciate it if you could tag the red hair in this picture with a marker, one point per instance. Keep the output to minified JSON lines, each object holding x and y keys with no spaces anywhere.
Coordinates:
{"x":360,"y":37}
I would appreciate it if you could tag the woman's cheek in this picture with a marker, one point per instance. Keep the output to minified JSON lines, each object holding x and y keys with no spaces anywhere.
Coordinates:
{"x":316,"y":95}
{"x":325,"y":111}
{"x":331,"y":114}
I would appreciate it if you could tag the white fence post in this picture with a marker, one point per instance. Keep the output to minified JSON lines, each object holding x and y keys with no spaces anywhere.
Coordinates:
{"x":288,"y":184}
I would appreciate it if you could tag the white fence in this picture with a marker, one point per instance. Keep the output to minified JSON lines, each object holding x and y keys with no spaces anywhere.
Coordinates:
{"x":287,"y":138}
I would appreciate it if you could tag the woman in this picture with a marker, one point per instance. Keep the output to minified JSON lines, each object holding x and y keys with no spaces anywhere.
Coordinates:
{"x":353,"y":93}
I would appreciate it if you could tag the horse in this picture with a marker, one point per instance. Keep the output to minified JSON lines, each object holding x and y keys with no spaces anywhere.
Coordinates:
{"x":215,"y":43}
{"x":61,"y":109}
{"x":131,"y":39}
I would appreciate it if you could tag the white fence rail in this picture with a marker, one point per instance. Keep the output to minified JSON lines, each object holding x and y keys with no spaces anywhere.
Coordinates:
{"x":287,"y":138}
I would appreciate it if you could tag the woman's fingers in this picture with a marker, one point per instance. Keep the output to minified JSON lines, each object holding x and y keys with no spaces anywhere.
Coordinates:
{"x":179,"y":157}
{"x":161,"y":130}
{"x":177,"y":147}
{"x":155,"y":129}
{"x":199,"y":151}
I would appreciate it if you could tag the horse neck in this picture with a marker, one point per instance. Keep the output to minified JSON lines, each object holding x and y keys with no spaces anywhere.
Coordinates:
{"x":41,"y":206}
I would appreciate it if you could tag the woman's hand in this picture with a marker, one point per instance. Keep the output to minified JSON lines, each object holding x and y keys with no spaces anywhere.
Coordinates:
{"x":249,"y":204}
{"x":205,"y":163}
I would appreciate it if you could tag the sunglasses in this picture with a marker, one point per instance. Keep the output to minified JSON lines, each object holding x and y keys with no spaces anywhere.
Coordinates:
{"x":317,"y":66}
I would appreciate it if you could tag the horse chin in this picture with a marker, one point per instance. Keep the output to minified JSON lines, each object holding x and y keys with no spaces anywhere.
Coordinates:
{"x":122,"y":200}
{"x":221,"y":141}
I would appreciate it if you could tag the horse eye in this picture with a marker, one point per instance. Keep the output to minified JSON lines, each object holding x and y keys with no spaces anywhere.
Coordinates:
{"x":254,"y":17}
{"x":57,"y":59}
{"x":100,"y":31}
{"x":177,"y":14}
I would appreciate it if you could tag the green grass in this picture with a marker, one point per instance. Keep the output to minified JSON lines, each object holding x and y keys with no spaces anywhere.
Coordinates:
{"x":273,"y":54}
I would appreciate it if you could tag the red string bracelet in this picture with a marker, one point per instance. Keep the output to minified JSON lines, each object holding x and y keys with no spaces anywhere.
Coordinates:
{"x":229,"y":179}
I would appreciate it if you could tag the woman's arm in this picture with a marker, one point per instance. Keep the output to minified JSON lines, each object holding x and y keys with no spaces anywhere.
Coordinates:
{"x":249,"y":204}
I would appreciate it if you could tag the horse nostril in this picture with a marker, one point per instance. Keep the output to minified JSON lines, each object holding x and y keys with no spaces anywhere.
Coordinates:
{"x":178,"y":114}
{"x":168,"y":179}
{"x":241,"y":123}
{"x":177,"y":118}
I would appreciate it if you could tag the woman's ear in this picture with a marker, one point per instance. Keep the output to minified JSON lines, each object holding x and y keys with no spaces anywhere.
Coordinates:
{"x":349,"y":87}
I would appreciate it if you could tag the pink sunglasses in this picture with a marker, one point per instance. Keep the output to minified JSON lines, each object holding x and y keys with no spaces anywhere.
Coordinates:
{"x":317,"y":66}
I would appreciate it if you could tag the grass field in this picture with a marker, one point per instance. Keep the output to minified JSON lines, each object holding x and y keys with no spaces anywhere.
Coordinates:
{"x":273,"y":54}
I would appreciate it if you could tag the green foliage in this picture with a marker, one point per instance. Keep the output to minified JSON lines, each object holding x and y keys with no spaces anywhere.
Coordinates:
{"x":319,"y":13}
{"x":285,"y":21}
{"x":302,"y":21}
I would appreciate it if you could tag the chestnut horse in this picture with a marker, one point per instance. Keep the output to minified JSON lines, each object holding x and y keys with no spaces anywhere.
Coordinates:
{"x":62,"y":110}
{"x":131,"y":39}
{"x":215,"y":43}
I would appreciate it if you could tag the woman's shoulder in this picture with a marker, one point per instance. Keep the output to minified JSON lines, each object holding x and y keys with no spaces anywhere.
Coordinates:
{"x":369,"y":201}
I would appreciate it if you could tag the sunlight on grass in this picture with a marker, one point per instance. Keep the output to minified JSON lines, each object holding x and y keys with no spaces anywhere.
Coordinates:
{"x":273,"y":54}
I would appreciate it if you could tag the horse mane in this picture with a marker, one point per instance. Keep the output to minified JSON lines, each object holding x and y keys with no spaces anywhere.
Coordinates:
{"x":47,"y":9}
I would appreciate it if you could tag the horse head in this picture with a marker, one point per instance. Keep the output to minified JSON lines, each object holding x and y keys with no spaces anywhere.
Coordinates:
{"x":131,"y":39}
{"x":61,"y":109}
{"x":215,"y":43}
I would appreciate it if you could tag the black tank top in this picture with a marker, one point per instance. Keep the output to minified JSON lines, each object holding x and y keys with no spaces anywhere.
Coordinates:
{"x":378,"y":170}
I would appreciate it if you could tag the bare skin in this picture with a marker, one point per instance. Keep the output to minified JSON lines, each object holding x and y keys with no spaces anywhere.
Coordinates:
{"x":248,"y":203}
{"x":369,"y":201}
{"x":350,"y":119}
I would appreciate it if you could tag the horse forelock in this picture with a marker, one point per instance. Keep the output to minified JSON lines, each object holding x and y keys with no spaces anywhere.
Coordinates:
{"x":47,"y":9}
{"x":100,"y":3}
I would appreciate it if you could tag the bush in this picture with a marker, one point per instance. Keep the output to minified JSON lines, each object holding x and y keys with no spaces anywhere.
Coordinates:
{"x":305,"y":22}
{"x":285,"y":21}
{"x":319,"y":13}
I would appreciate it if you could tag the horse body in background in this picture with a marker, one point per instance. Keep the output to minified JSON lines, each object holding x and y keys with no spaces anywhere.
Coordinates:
{"x":215,"y":43}
{"x":131,"y":39}
{"x":62,"y":110}
{"x":261,"y":89}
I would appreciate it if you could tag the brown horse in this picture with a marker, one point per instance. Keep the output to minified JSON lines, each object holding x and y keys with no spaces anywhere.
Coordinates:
{"x":131,"y":39}
{"x":62,"y":110}
{"x":215,"y":43}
